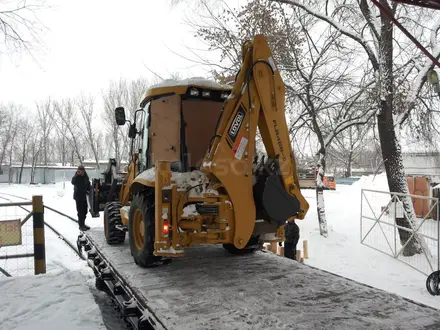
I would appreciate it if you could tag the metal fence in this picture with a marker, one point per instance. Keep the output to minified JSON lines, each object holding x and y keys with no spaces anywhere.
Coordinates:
{"x":22,"y":240}
{"x":387,"y":227}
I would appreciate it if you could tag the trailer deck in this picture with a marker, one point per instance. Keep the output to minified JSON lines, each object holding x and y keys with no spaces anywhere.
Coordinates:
{"x":212,"y":289}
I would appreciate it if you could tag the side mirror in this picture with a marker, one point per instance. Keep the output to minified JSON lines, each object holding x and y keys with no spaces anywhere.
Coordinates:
{"x":132,"y":131}
{"x":120,"y":116}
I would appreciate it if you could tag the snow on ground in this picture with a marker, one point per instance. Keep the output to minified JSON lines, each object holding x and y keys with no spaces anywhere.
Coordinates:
{"x":60,"y":300}
{"x":340,"y":253}
{"x":63,"y":298}
{"x":58,"y":196}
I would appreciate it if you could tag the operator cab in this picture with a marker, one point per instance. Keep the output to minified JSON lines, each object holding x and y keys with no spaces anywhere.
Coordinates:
{"x":179,"y":120}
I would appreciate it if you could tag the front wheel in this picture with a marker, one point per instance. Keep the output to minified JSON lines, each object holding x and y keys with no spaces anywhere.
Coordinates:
{"x":141,"y":229}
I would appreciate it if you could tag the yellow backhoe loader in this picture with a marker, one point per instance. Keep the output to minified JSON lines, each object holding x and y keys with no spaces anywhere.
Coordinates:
{"x":196,"y":177}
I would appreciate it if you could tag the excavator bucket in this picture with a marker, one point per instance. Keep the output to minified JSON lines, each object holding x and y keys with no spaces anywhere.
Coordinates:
{"x":272,"y":201}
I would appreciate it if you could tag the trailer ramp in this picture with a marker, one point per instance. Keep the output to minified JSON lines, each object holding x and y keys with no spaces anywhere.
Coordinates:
{"x":212,"y":289}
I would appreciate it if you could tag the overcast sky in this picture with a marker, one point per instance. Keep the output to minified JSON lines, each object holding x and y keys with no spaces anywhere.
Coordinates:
{"x":92,"y":42}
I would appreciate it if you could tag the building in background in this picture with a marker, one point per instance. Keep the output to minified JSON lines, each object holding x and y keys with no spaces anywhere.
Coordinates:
{"x":52,"y":173}
{"x":423,"y":176}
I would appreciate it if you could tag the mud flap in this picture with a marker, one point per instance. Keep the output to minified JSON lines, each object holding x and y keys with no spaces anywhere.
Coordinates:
{"x":272,"y":201}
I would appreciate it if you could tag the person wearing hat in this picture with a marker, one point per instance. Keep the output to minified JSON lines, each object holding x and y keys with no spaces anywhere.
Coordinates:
{"x":81,"y":190}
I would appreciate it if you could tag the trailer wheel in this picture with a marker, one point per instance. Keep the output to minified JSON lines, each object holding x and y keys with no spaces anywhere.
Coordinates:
{"x":246,"y":250}
{"x":112,"y":218}
{"x":99,"y":284}
{"x":141,"y":229}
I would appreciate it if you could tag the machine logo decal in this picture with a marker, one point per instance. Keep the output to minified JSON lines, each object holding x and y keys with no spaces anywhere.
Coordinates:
{"x":236,"y":123}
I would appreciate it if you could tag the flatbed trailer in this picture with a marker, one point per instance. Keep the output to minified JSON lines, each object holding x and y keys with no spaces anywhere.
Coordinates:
{"x":209,"y":288}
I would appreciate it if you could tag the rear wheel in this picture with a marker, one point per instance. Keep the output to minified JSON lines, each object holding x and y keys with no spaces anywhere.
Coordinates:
{"x":112,"y":219}
{"x":141,"y":229}
{"x":248,"y":249}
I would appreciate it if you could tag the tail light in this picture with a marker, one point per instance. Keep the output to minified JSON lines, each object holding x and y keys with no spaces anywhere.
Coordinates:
{"x":166,"y":228}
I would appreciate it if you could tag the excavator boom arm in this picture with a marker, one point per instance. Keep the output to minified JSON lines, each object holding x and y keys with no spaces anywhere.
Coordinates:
{"x":257,"y":100}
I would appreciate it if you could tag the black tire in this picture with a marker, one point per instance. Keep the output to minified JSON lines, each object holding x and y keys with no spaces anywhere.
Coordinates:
{"x":100,"y":285}
{"x":142,"y":247}
{"x":112,"y":218}
{"x":246,"y":250}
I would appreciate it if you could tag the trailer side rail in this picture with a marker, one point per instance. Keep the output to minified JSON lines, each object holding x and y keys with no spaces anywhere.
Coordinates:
{"x":130,"y":302}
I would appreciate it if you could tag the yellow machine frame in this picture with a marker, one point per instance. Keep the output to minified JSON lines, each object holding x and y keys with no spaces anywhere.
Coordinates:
{"x":257,"y":100}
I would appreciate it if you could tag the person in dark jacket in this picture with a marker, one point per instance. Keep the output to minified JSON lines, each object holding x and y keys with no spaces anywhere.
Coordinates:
{"x":81,"y":185}
{"x":291,"y":231}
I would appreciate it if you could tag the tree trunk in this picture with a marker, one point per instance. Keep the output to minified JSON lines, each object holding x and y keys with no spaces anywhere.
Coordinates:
{"x":350,"y":154}
{"x":10,"y":160}
{"x":34,"y":165}
{"x":320,"y":206}
{"x":393,"y":163}
{"x":391,"y":150}
{"x":10,"y":168}
{"x":349,"y":165}
{"x":23,"y":157}
{"x":21,"y":171}
{"x":45,"y":160}
{"x":95,"y":154}
{"x":63,"y":151}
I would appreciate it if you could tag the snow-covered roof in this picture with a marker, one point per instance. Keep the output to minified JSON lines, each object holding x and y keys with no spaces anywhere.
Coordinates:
{"x":196,"y":81}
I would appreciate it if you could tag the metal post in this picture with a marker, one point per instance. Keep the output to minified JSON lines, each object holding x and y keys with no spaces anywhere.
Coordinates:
{"x":39,"y":241}
{"x":438,"y":237}
{"x":362,"y":197}
{"x":395,"y":226}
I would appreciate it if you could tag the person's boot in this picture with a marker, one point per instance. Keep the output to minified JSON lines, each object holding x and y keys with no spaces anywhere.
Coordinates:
{"x":86,"y":227}
{"x":82,"y":225}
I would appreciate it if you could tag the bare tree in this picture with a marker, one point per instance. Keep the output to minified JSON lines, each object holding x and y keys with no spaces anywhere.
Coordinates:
{"x":116,"y":95}
{"x":61,"y":142}
{"x":333,"y":100}
{"x":348,"y":147}
{"x":8,"y":115}
{"x":8,"y":134}
{"x":13,"y":132}
{"x":45,"y":118}
{"x":67,"y":115}
{"x":224,"y":30}
{"x":372,"y":31}
{"x":136,"y":89}
{"x":20,"y":28}
{"x":85,"y":105}
{"x":26,"y":132}
{"x":36,"y":147}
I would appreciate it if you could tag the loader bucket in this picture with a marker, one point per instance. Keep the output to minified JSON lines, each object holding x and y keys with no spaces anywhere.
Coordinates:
{"x":272,"y":201}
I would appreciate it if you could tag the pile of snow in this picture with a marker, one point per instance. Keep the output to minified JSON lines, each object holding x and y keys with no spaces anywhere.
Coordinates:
{"x":189,"y":210}
{"x":57,"y":301}
{"x":195,"y":182}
